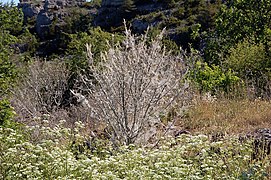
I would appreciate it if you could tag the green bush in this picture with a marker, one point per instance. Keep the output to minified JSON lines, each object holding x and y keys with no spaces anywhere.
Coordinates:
{"x":79,"y":20}
{"x":30,"y":40}
{"x":10,"y":25}
{"x":212,"y":78}
{"x":248,"y":59}
{"x":7,"y":113}
{"x":236,"y":21}
{"x":8,"y":70}
{"x":11,"y":19}
{"x":78,"y":51}
{"x":251,"y":63}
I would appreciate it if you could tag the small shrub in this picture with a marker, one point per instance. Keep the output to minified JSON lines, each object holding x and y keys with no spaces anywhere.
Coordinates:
{"x":134,"y":84}
{"x":212,"y":78}
{"x":42,"y":89}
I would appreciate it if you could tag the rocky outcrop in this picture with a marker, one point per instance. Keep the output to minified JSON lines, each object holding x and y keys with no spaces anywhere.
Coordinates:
{"x":29,"y":10}
{"x":46,"y":12}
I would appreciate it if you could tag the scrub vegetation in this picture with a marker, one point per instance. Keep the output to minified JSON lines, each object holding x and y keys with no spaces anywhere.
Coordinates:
{"x":187,"y":98}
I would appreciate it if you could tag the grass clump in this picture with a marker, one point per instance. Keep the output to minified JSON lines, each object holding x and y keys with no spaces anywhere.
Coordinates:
{"x":231,"y":116}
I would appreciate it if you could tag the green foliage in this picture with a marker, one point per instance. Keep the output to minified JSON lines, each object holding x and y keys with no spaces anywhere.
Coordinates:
{"x":10,"y":25}
{"x":171,"y":46}
{"x":248,"y":59}
{"x":187,"y":23}
{"x":77,"y":47}
{"x":187,"y":157}
{"x":191,"y":19}
{"x":253,"y":16}
{"x":30,"y":41}
{"x":11,"y":19}
{"x":236,"y":21}
{"x":8,"y":73}
{"x":79,"y":20}
{"x":93,"y":3}
{"x":6,"y":113}
{"x":212,"y":78}
{"x":251,"y":62}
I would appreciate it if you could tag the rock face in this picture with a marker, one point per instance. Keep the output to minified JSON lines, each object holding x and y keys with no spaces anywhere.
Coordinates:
{"x":45,"y":12}
{"x":29,"y":10}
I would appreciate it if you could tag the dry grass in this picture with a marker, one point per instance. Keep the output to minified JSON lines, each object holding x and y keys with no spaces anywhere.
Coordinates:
{"x":228,"y":116}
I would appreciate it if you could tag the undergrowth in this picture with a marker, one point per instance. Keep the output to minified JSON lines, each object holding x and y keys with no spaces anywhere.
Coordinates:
{"x":50,"y":156}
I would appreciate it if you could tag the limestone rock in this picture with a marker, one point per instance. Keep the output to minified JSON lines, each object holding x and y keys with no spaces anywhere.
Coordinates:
{"x":46,"y":11}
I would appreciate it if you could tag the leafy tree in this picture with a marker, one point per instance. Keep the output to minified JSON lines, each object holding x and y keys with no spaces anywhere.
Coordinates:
{"x":11,"y":19}
{"x":250,"y":61}
{"x":241,"y":41}
{"x":236,"y":21}
{"x":244,"y":18}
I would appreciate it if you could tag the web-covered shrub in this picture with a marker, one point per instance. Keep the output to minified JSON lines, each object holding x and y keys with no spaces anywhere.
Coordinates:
{"x":134,"y":84}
